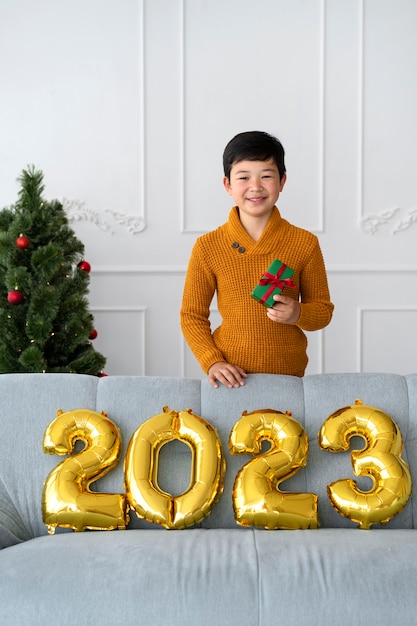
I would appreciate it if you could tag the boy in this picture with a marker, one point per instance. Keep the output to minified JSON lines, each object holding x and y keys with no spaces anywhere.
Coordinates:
{"x":232,"y":259}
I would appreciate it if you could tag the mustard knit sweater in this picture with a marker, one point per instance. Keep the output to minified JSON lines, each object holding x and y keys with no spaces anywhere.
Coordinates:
{"x":228,"y":261}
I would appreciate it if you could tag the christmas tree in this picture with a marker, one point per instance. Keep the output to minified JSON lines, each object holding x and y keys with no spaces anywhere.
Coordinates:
{"x":45,"y":325}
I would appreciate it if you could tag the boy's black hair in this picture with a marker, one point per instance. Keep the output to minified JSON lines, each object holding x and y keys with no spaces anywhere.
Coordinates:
{"x":253,"y":145}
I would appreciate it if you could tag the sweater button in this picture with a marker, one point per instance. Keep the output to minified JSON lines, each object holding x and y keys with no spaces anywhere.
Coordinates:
{"x":241,"y":249}
{"x":235,"y":244}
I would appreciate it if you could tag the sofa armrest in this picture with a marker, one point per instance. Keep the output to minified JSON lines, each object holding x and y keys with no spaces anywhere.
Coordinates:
{"x":12,"y":528}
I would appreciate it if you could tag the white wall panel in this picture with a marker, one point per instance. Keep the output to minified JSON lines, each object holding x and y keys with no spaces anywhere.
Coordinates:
{"x":238,"y":76}
{"x":389,"y":105}
{"x":387,"y":155}
{"x":121,"y":339}
{"x":374,"y":310}
{"x":382,"y":331}
{"x":153,"y":346}
{"x":74,"y":101}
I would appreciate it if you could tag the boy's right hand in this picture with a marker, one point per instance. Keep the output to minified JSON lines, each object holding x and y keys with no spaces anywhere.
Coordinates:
{"x":227,"y":374}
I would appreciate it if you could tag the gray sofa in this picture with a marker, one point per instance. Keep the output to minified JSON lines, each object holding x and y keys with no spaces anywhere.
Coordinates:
{"x":216,"y":572}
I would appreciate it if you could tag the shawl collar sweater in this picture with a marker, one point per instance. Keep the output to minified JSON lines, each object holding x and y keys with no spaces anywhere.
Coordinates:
{"x":227,"y":261}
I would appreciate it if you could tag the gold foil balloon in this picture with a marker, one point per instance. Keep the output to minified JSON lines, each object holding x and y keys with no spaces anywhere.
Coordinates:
{"x":257,"y":499}
{"x":141,"y":469}
{"x":67,"y":500}
{"x":380,"y":460}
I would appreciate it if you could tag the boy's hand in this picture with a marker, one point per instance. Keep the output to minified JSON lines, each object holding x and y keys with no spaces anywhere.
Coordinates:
{"x":228,"y":375}
{"x":285,"y":310}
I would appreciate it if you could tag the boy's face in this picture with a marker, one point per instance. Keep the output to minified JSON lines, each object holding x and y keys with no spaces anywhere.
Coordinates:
{"x":254,"y":186}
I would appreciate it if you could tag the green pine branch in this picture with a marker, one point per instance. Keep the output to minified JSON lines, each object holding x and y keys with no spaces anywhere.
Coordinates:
{"x":49,"y":330}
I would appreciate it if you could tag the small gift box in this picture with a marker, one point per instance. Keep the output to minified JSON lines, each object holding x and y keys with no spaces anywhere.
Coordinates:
{"x":277,"y":276}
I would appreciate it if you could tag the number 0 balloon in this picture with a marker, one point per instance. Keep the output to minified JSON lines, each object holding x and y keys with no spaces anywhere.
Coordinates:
{"x":141,"y":469}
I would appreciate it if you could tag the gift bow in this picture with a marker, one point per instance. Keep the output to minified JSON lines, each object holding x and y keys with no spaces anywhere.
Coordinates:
{"x":275,"y":281}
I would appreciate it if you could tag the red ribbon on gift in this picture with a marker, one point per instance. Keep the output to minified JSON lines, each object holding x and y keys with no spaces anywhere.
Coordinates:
{"x":275,"y":281}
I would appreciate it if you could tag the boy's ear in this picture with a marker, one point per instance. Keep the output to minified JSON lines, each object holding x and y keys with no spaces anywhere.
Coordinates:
{"x":283,"y":181}
{"x":227,"y":186}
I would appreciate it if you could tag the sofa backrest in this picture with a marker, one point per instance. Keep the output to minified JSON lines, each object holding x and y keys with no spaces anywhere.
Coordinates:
{"x":29,"y":402}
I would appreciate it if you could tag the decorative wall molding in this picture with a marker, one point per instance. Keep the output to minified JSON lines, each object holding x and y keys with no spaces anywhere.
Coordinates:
{"x":372,"y":223}
{"x":77,"y":211}
{"x":180,"y":270}
{"x":133,"y":223}
{"x":406,"y":222}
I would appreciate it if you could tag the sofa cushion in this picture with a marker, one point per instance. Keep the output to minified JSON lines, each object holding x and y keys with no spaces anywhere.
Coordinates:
{"x":130,"y":401}
{"x":327,"y":393}
{"x":157,"y":578}
{"x":223,"y":407}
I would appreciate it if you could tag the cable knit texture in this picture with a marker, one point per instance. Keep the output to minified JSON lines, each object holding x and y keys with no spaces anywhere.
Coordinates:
{"x":246,"y":336}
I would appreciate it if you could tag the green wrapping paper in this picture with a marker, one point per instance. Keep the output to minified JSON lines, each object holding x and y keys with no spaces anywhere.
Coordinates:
{"x":273,"y":281}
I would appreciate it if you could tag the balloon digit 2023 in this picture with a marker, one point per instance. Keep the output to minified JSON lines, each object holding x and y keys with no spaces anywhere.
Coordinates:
{"x":257,"y":500}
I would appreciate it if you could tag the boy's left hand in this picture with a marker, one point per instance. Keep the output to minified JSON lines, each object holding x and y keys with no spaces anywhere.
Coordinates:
{"x":285,"y":310}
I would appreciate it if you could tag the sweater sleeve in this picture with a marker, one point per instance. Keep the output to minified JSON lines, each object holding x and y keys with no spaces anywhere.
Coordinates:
{"x":316,"y":307}
{"x":199,"y":289}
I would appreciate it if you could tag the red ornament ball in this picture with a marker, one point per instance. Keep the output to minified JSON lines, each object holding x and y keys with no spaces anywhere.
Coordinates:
{"x":93,"y":334}
{"x":84,"y":266}
{"x":15,"y":297}
{"x":23,"y":242}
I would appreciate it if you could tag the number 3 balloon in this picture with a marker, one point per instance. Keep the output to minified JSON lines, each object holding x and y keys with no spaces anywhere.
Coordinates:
{"x":380,"y":460}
